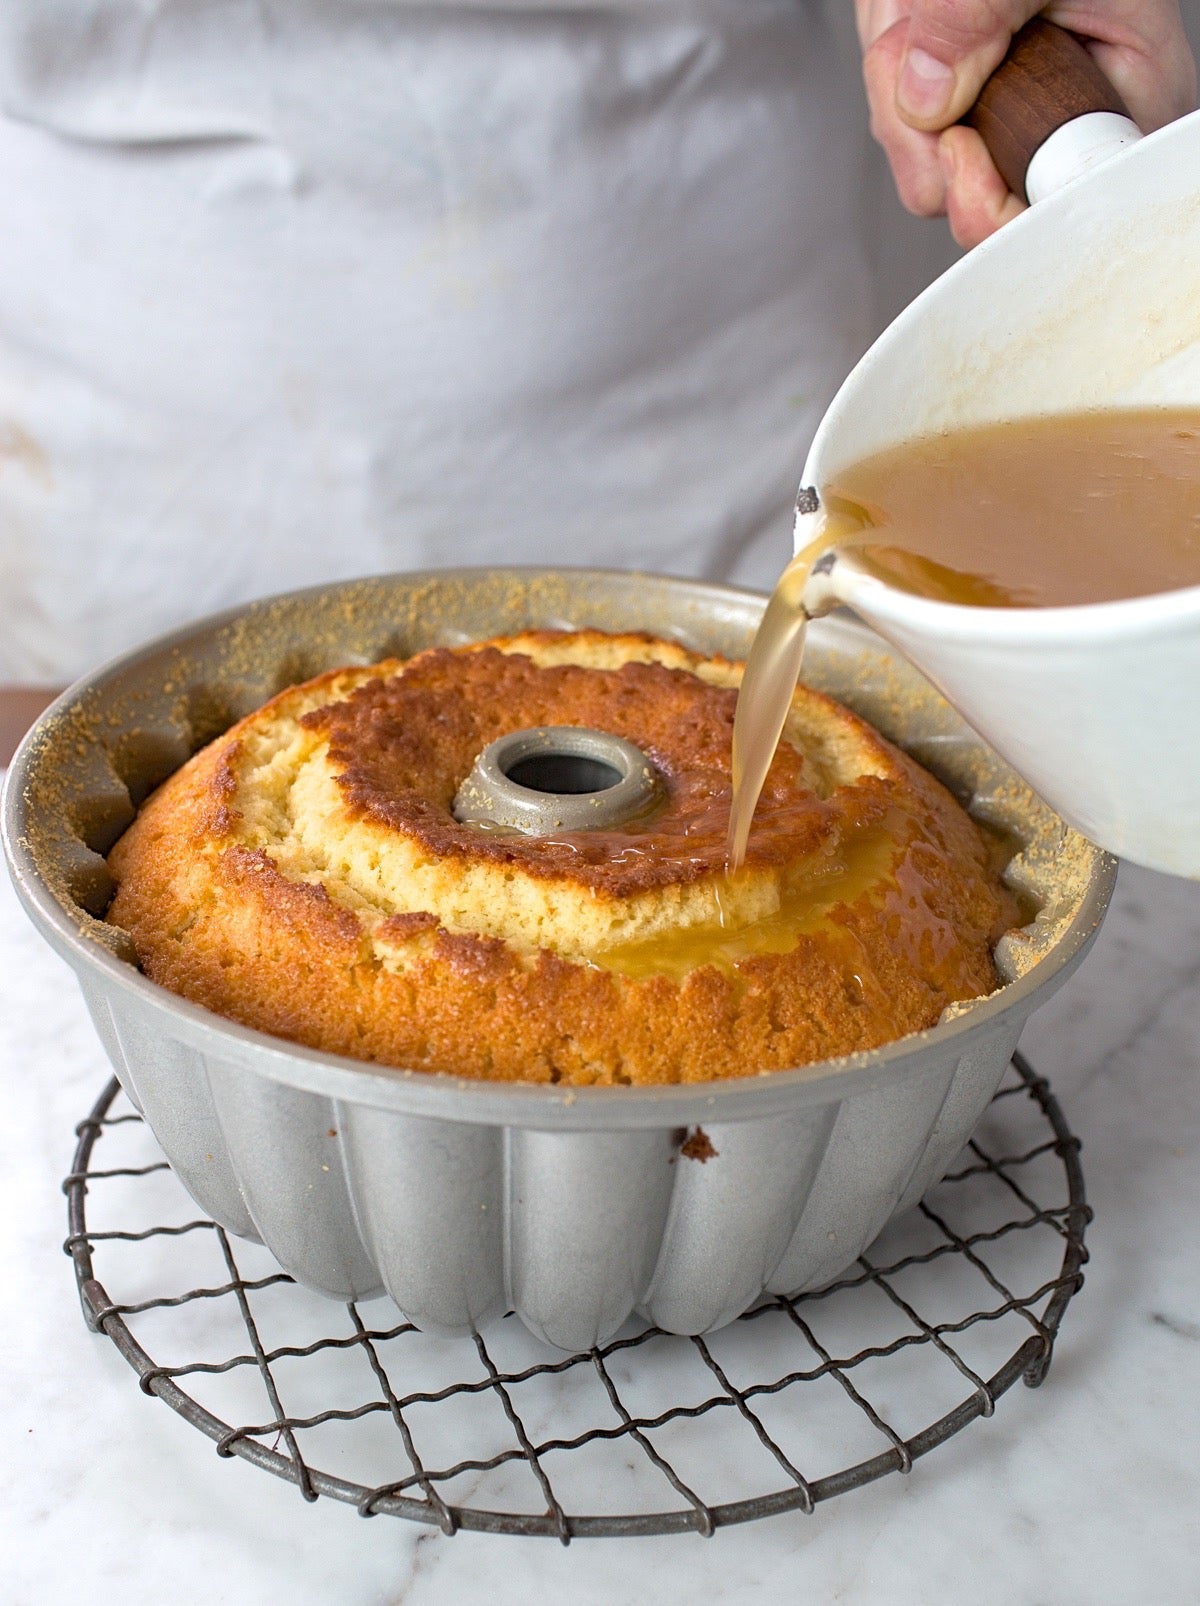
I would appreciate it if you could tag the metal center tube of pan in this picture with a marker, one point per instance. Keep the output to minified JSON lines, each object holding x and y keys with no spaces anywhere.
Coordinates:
{"x":557,"y":778}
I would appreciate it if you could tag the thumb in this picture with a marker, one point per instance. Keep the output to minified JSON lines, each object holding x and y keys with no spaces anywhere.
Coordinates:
{"x":952,"y":48}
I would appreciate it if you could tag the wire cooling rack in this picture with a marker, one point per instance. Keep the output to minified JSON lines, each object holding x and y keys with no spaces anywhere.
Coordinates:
{"x":798,"y":1401}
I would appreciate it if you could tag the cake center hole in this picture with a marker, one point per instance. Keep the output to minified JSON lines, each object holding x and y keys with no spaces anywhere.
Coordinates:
{"x":563,"y":772}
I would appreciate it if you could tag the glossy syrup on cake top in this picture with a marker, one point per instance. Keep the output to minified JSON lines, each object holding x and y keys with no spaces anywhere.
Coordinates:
{"x":304,"y":874}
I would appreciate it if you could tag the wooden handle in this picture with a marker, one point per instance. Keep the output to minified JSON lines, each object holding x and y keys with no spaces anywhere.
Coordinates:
{"x":1047,"y":79}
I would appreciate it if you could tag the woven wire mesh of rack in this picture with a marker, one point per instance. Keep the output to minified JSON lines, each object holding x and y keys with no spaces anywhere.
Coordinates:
{"x":799,"y":1400}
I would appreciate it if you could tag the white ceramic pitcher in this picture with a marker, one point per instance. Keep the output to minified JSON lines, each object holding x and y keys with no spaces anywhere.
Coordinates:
{"x":1090,"y":299}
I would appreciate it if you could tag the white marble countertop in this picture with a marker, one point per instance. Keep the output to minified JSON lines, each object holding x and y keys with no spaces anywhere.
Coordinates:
{"x":1085,"y":1491}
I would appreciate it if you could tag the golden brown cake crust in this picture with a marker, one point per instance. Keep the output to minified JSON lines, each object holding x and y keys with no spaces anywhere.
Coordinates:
{"x":304,"y":875}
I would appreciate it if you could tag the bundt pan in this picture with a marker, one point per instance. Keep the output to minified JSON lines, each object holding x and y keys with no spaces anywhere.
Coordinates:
{"x":464,"y":1199}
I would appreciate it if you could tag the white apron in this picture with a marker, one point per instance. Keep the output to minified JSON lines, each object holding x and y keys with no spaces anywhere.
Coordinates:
{"x":292,"y":290}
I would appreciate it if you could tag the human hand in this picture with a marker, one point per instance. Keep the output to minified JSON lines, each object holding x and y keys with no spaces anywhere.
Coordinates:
{"x":925,"y":61}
